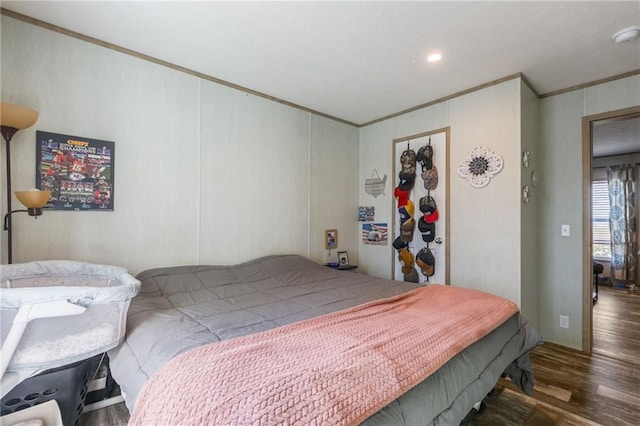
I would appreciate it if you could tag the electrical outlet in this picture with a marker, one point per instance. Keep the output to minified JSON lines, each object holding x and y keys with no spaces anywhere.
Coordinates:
{"x":565,"y":230}
{"x":564,"y":321}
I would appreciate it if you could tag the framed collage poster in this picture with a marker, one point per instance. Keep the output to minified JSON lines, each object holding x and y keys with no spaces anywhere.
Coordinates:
{"x":78,"y":171}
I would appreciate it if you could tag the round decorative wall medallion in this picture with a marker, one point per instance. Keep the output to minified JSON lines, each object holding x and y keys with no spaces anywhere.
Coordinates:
{"x":480,"y":166}
{"x":525,"y":194}
{"x":534,"y":178}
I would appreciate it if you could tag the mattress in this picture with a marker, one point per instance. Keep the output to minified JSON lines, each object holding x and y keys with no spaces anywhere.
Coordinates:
{"x":180,"y":308}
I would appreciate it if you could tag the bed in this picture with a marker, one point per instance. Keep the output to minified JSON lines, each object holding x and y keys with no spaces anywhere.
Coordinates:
{"x":187,"y":309}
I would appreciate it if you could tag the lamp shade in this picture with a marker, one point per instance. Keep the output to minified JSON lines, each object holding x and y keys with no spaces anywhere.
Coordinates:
{"x":17,"y":117}
{"x":33,"y":199}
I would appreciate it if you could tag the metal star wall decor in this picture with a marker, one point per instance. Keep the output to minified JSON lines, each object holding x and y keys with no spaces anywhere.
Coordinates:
{"x":480,"y":166}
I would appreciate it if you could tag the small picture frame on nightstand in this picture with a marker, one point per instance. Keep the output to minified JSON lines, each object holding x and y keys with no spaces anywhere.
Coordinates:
{"x":343,"y":258}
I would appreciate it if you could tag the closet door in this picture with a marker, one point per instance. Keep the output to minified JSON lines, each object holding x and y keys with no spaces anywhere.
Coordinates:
{"x":428,"y":208}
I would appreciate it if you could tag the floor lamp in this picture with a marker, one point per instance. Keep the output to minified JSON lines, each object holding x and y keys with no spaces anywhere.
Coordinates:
{"x":12,"y":119}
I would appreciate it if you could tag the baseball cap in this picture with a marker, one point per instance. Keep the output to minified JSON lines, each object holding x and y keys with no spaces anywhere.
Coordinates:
{"x":406,"y":258}
{"x":425,"y":157}
{"x":430,"y":218}
{"x":408,"y":161}
{"x":398,"y":244}
{"x":429,"y":208}
{"x":402,"y":196}
{"x":406,"y":211}
{"x":406,"y":230}
{"x":430,"y":178}
{"x":428,"y":230}
{"x":426,"y":261}
{"x":412,"y":276}
{"x":407,"y":183}
{"x":427,"y":204}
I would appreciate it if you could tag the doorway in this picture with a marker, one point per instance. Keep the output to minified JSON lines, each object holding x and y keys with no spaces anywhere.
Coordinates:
{"x":591,"y":126}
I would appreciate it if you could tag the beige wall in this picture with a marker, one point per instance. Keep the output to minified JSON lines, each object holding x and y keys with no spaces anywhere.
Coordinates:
{"x":203,"y":173}
{"x":560,"y":272}
{"x":529,"y":211}
{"x":485,"y":224}
{"x":334,"y":188}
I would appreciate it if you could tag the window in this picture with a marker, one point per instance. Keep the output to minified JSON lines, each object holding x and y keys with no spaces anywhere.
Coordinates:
{"x":600,"y":226}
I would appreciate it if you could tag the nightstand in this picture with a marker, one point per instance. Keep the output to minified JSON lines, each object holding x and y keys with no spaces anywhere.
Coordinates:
{"x":352,"y":268}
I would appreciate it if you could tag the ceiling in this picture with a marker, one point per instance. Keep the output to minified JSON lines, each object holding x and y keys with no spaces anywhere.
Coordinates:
{"x":361,"y":61}
{"x":616,"y":137}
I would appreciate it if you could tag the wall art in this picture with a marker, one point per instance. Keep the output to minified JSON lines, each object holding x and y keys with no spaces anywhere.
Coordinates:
{"x":330,"y":238}
{"x":376,"y":234}
{"x":374,"y":185}
{"x":525,"y":194}
{"x":534,"y":178}
{"x":78,"y":171}
{"x":480,"y":166}
{"x":366,"y":213}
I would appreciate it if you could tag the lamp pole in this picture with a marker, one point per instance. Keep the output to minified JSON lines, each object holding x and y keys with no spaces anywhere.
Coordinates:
{"x":12,"y":119}
{"x":7,"y":134}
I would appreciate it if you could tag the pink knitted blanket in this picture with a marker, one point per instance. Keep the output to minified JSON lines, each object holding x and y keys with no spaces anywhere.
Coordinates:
{"x":335,"y":369}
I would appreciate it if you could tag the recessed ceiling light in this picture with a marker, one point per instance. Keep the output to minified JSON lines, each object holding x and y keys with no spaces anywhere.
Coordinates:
{"x":434,"y":57}
{"x":626,"y":34}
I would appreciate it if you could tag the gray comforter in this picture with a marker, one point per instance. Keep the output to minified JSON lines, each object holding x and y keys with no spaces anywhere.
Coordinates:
{"x":179,"y":308}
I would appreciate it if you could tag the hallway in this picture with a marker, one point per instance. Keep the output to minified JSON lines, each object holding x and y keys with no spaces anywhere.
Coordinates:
{"x":616,"y":324}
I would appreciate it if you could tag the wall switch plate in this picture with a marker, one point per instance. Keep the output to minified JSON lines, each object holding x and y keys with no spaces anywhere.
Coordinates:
{"x":565,"y":230}
{"x":564,"y":321}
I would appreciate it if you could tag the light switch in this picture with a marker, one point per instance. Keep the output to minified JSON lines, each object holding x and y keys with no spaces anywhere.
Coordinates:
{"x":565,"y":230}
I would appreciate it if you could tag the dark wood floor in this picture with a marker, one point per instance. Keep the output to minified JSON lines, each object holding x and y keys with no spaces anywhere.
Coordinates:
{"x":575,"y":388}
{"x":616,"y":324}
{"x":594,"y":387}
{"x":571,"y":389}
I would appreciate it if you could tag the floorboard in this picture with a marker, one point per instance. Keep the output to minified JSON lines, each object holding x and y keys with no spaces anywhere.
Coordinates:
{"x":616,"y":324}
